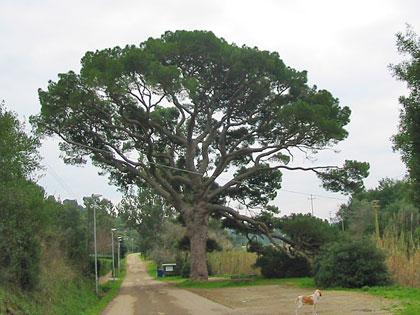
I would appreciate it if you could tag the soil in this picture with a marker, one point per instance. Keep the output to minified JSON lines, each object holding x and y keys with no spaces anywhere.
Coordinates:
{"x":274,"y":299}
{"x":140,"y":294}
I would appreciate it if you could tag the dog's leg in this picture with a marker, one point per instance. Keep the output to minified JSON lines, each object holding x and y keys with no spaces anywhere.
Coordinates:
{"x":299,"y":304}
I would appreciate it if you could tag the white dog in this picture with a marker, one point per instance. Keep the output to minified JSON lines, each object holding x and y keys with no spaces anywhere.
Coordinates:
{"x":309,"y":299}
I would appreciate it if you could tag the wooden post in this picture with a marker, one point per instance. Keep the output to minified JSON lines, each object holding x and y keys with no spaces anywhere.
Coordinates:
{"x":375,"y":207}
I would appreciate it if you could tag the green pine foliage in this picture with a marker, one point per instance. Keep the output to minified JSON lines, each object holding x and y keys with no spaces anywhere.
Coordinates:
{"x":276,"y":263}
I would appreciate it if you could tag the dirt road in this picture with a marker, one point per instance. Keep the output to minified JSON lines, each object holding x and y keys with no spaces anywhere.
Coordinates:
{"x":140,"y":294}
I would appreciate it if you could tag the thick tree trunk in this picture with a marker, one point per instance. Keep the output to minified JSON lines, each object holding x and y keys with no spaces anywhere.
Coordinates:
{"x":197,"y":227}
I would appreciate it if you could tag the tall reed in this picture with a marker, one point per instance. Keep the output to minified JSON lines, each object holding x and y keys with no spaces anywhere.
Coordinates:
{"x":233,"y":262}
{"x":403,"y":258}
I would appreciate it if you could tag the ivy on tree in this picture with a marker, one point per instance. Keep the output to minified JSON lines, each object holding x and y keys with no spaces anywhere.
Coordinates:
{"x":198,"y":120}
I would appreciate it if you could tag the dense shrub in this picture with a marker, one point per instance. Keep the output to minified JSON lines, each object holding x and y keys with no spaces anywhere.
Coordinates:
{"x":351,"y":264}
{"x":20,"y":221}
{"x":278,"y":264}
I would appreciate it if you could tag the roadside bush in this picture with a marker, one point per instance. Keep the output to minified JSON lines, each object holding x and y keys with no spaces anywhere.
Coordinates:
{"x":278,"y":264}
{"x":351,"y":264}
{"x":20,"y":224}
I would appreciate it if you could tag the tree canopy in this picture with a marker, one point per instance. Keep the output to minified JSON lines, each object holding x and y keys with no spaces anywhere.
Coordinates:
{"x":198,"y":120}
{"x":18,"y":150}
{"x":407,"y":140}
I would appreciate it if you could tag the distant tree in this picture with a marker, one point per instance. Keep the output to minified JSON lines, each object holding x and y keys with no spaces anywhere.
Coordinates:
{"x":357,"y":217}
{"x":397,"y":212}
{"x":407,"y":140}
{"x":73,"y":232}
{"x":145,"y":212}
{"x":178,"y":112}
{"x":105,"y":221}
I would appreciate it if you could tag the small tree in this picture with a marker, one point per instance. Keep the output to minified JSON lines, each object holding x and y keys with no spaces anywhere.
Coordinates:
{"x":178,"y":112}
{"x":351,"y":264}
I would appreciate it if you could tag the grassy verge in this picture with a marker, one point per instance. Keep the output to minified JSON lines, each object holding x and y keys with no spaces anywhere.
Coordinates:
{"x":108,"y":291}
{"x":408,"y":297}
{"x":241,"y":282}
{"x":60,"y":296}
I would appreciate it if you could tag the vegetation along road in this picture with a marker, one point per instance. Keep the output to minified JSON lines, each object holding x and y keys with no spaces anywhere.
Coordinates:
{"x":140,"y":294}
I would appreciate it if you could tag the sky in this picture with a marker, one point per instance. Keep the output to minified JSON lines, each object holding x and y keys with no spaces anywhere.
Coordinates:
{"x":346,"y":47}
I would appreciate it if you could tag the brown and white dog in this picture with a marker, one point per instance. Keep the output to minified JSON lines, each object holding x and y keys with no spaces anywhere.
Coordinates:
{"x":309,"y":300}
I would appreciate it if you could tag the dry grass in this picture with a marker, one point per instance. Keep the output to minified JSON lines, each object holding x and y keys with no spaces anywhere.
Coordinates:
{"x":234,"y":262}
{"x":403,"y":259}
{"x":405,"y":269}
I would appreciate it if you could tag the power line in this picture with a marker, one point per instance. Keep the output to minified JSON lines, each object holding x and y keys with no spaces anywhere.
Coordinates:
{"x":57,"y":178}
{"x":314,"y":195}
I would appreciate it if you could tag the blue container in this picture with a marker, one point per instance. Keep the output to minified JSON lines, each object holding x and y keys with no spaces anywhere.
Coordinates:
{"x":160,"y":273}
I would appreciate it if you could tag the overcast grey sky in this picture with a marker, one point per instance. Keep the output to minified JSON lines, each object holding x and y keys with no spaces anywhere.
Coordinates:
{"x":346,"y":47}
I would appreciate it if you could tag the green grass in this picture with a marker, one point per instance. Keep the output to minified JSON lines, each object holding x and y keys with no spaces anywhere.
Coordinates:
{"x":108,"y":291}
{"x":408,"y":297}
{"x":227,"y":283}
{"x":60,"y":297}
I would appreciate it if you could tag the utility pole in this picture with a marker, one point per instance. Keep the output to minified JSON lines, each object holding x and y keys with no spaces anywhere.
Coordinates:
{"x":119,"y":254}
{"x":94,"y":241}
{"x":375,"y":207}
{"x":311,"y":198}
{"x":96,"y":252}
{"x":113,"y":259}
